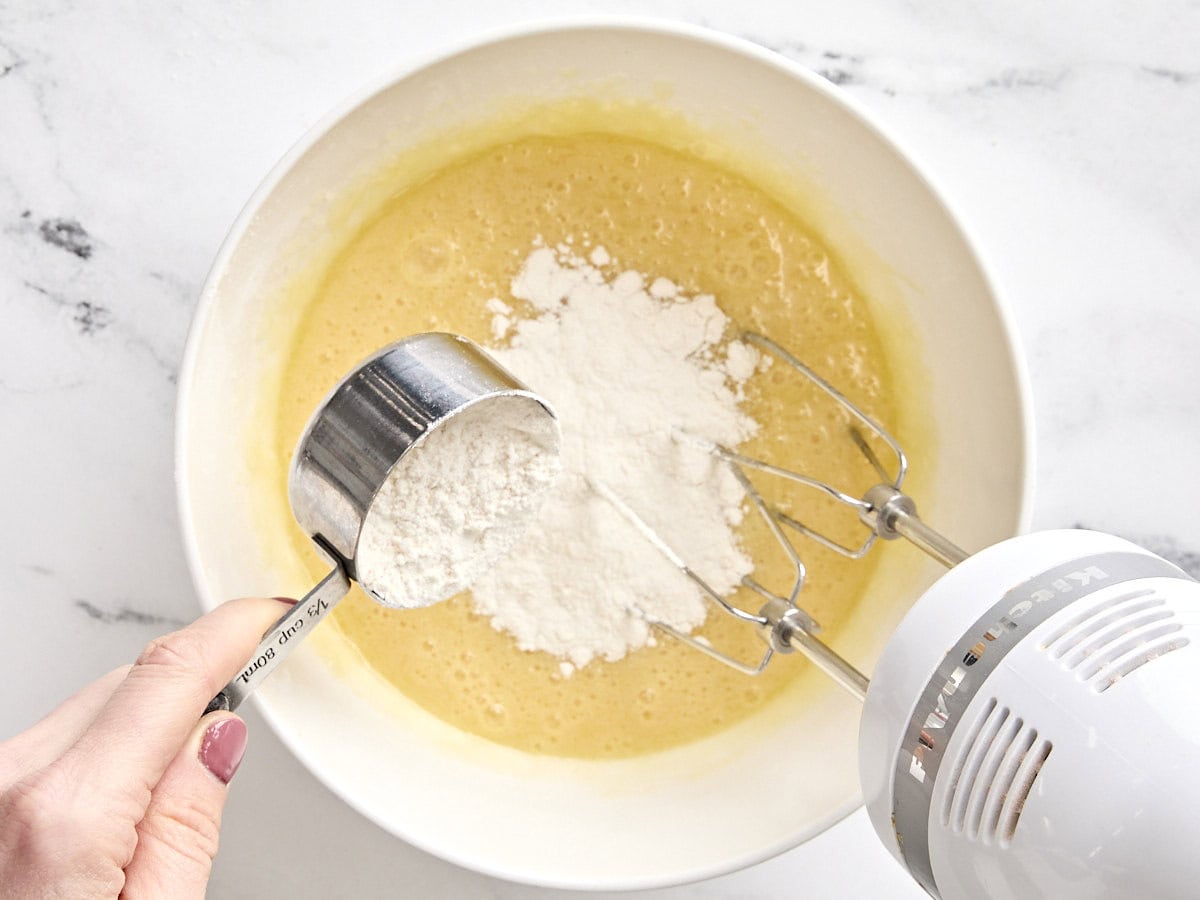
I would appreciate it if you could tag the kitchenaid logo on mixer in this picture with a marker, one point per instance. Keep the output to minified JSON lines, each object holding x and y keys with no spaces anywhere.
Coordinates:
{"x":936,"y":728}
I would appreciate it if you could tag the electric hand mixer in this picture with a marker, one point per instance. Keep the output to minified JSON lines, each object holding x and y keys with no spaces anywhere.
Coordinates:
{"x":1029,"y":729}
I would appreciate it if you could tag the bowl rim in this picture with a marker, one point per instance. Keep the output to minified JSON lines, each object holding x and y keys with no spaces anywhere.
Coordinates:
{"x":665,"y":27}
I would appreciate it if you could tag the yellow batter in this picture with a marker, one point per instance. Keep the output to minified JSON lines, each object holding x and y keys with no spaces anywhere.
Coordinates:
{"x":432,"y":258}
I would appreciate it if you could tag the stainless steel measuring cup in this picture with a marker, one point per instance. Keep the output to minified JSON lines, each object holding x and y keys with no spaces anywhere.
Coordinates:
{"x":369,"y":421}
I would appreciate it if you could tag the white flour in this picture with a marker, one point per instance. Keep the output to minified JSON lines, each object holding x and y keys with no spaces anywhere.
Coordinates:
{"x":627,"y":365}
{"x":457,"y":501}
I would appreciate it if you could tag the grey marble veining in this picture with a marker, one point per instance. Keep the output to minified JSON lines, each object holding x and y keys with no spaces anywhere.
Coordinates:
{"x":1065,"y":138}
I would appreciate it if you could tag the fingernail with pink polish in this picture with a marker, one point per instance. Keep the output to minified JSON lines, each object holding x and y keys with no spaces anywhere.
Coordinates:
{"x":290,"y":601}
{"x":222,"y":747}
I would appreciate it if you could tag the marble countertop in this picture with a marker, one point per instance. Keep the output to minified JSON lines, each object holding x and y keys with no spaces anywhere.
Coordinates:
{"x":1066,"y":135}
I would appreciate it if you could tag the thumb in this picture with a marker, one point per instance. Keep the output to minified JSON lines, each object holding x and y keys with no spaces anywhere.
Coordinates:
{"x":177,"y":838}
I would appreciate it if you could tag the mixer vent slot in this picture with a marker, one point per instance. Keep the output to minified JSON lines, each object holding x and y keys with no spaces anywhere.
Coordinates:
{"x":993,"y":775}
{"x":1104,"y":644}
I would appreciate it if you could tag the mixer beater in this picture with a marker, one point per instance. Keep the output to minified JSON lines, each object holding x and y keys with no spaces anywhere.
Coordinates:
{"x":885,"y":510}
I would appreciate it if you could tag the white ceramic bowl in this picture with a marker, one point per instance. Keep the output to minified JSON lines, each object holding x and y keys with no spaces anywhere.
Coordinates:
{"x":758,"y":788}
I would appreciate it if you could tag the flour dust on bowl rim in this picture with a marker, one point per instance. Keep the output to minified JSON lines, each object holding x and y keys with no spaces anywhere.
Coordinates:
{"x":761,"y":786}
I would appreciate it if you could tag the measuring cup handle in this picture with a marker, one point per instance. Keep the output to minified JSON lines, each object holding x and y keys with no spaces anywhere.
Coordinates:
{"x":281,"y":638}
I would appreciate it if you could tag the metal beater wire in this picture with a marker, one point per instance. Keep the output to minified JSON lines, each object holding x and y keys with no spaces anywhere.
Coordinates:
{"x":765,"y":343}
{"x":800,"y":627}
{"x":666,"y":550}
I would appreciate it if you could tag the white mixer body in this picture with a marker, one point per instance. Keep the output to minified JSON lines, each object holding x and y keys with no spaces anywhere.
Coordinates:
{"x":1033,"y":727}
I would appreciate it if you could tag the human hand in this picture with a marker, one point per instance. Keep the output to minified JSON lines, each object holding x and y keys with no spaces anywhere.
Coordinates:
{"x":119,"y":790}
